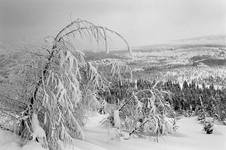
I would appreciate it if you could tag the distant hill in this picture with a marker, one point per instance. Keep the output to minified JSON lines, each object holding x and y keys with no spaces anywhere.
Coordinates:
{"x":208,"y":40}
{"x":204,"y":41}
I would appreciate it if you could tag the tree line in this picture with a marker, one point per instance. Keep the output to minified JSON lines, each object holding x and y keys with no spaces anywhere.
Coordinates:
{"x":185,"y":99}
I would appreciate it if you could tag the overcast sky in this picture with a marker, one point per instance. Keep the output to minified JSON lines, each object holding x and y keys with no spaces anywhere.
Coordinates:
{"x":142,"y":22}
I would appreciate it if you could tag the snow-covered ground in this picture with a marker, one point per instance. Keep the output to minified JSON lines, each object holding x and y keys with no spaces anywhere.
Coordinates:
{"x":189,"y":136}
{"x":8,"y":141}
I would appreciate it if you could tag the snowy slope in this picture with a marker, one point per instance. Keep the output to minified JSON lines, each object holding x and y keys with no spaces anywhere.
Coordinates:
{"x":189,"y":136}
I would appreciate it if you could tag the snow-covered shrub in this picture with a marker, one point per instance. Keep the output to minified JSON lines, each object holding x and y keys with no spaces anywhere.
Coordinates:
{"x":208,"y":127}
{"x":224,"y":122}
{"x":143,"y":111}
{"x":157,"y":113}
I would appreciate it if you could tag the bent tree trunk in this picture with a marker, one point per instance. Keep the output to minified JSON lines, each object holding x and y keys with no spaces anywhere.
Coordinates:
{"x":25,"y":124}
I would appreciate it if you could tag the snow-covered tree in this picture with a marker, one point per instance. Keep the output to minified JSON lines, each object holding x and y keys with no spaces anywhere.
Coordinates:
{"x":63,"y":87}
